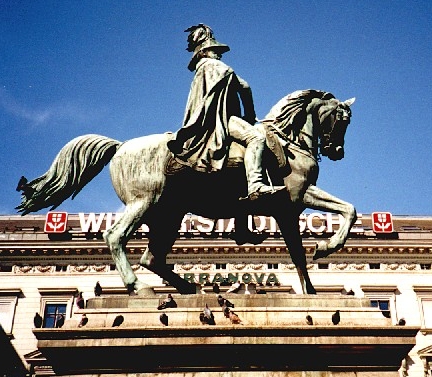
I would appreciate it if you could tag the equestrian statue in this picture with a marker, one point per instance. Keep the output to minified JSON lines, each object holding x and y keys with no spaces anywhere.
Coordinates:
{"x":220,"y":164}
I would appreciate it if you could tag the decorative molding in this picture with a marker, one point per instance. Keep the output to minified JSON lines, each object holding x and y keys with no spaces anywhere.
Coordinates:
{"x":422,"y":288}
{"x":379,"y":288}
{"x":10,"y":292}
{"x":329,"y":288}
{"x":57,"y":291}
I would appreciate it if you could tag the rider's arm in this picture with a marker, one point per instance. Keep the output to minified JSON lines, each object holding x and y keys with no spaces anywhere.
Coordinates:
{"x":245,"y":93}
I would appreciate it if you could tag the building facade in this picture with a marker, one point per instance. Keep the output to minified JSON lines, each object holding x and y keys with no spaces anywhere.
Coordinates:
{"x":47,"y":261}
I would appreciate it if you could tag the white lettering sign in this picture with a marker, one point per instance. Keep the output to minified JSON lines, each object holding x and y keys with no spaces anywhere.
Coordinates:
{"x":315,"y":223}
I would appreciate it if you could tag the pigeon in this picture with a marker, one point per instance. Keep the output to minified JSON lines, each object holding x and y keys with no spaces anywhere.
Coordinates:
{"x":234,"y":288}
{"x":83,"y":321}
{"x":118,"y":321}
{"x":402,"y":322}
{"x":169,"y":302}
{"x":80,"y":301}
{"x":350,"y":293}
{"x":336,"y":317}
{"x":234,"y":318}
{"x":60,"y":321}
{"x":97,"y":289}
{"x":37,"y":321}
{"x":224,"y":302}
{"x":202,"y":319}
{"x":164,"y":319}
{"x":226,"y":311}
{"x":309,"y":320}
{"x":207,"y":317}
{"x":216,"y":288}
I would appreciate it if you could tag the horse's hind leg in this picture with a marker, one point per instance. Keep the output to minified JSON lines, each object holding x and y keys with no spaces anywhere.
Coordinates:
{"x":316,"y":198}
{"x":289,"y":228}
{"x":117,"y":237}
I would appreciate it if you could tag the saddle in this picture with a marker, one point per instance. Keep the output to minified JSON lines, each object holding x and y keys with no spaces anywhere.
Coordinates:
{"x":237,"y":151}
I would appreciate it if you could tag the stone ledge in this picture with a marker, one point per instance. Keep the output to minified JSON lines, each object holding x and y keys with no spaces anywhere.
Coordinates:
{"x":225,"y":348}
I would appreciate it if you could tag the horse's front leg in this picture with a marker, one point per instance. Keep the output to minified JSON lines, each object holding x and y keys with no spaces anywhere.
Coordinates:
{"x":316,"y":198}
{"x":117,"y":237}
{"x":161,"y":239}
{"x":289,"y":227}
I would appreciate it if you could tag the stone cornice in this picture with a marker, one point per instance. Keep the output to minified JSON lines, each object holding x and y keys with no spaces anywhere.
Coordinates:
{"x":212,"y":246}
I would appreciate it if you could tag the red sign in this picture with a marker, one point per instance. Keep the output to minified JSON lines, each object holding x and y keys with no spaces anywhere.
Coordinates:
{"x":382,"y":222}
{"x":56,"y":222}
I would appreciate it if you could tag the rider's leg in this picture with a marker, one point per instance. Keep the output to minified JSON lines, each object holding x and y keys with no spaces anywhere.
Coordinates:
{"x":254,"y":141}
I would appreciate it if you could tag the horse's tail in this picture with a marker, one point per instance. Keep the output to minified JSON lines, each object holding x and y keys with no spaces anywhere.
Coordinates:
{"x":77,"y":163}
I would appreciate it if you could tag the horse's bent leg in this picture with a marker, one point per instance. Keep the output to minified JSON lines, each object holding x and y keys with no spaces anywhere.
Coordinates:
{"x":116,"y":238}
{"x":161,"y":238}
{"x":316,"y":198}
{"x":291,"y":234}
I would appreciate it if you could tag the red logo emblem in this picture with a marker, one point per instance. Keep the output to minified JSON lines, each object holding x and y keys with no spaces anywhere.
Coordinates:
{"x":56,"y":222}
{"x":382,"y":222}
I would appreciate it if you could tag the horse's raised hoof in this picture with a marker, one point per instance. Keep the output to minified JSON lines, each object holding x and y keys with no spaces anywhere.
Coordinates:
{"x":321,"y":250}
{"x":247,"y":237}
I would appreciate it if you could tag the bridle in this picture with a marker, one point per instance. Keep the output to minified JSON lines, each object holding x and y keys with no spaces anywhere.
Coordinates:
{"x":340,"y":116}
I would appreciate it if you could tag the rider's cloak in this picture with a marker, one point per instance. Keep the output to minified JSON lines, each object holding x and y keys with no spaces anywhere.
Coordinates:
{"x":213,"y":99}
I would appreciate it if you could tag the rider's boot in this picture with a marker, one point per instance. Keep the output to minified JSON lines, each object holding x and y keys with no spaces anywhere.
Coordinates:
{"x":252,"y":160}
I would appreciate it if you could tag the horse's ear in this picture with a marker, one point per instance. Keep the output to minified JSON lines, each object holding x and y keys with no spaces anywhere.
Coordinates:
{"x":350,"y":101}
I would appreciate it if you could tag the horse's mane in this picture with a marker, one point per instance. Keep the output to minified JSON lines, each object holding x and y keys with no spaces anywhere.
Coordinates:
{"x":290,"y":112}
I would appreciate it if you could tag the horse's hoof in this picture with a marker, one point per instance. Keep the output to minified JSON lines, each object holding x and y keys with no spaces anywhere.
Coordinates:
{"x":142,"y":289}
{"x":247,"y":237}
{"x":145,"y":291}
{"x":311,"y":290}
{"x":321,"y":250}
{"x":189,"y":289}
{"x":147,"y":259}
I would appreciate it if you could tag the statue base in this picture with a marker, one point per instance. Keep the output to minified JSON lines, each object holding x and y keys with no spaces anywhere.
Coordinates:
{"x":273,"y":338}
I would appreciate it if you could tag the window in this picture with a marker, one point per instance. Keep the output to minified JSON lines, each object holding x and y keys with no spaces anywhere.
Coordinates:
{"x":8,"y":302}
{"x":53,"y":313}
{"x":55,"y":304}
{"x":425,"y":266}
{"x":424,"y":295}
{"x":323,"y":266}
{"x":272,"y":266}
{"x":374,"y":266}
{"x":383,"y":305}
{"x":221,"y":266}
{"x":382,"y":297}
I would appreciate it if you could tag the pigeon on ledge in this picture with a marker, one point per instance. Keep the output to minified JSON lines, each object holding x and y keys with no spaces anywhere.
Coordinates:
{"x":169,"y":302}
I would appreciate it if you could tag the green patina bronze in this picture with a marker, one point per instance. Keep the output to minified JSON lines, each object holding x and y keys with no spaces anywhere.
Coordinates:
{"x":302,"y":126}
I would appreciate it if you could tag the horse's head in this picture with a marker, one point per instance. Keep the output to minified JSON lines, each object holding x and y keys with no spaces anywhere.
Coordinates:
{"x":334,"y":117}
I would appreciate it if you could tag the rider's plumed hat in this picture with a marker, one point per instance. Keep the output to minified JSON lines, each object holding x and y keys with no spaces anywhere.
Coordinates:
{"x":201,"y":38}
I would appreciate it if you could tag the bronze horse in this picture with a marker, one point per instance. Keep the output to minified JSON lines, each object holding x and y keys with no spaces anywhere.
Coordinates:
{"x":308,"y":123}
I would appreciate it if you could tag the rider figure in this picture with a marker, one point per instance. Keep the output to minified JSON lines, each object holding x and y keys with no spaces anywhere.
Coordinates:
{"x":213,"y":115}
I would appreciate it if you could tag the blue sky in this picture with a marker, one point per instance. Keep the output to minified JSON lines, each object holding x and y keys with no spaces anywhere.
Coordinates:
{"x":119,"y":68}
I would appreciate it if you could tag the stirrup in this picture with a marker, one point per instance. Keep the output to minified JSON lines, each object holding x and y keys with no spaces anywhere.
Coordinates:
{"x":264,"y":190}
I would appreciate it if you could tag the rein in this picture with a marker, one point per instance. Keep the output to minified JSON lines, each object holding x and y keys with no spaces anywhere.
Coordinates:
{"x":291,"y":144}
